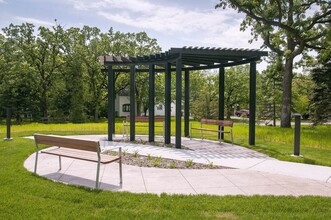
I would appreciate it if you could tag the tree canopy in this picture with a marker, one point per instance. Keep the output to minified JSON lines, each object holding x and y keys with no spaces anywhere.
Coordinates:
{"x":55,"y":72}
{"x":289,"y":29}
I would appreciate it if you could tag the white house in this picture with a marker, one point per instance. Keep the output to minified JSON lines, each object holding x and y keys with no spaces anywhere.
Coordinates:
{"x":122,"y":106}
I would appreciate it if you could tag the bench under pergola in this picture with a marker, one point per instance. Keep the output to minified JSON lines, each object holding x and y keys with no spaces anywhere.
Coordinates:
{"x":179,"y":60}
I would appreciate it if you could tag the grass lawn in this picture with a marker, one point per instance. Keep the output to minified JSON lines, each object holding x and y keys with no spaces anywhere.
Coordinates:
{"x":278,"y":142}
{"x":274,"y":141}
{"x":26,"y":196}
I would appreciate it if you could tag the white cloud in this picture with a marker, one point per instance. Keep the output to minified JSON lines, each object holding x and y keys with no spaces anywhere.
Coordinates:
{"x":87,"y":5}
{"x":231,"y":37}
{"x":143,"y":14}
{"x":34,"y":21}
{"x":3,"y":1}
{"x":211,"y":27}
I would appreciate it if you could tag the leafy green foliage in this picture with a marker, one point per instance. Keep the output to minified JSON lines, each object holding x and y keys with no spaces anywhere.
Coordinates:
{"x":236,"y":89}
{"x":289,"y":29}
{"x":269,"y":92}
{"x":53,"y":73}
{"x":302,"y":90}
{"x":321,"y":98}
{"x":157,"y":161}
{"x":204,"y":87}
{"x":204,"y":98}
{"x":189,"y":163}
{"x":136,"y":153}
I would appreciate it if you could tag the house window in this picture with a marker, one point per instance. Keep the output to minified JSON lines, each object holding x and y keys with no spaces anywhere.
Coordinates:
{"x":126,"y":108}
{"x":159,"y":107}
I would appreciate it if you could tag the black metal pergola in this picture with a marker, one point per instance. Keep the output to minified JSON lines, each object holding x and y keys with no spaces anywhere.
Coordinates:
{"x":179,"y":60}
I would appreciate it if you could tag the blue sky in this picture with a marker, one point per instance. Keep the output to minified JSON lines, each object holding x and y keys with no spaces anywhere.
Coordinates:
{"x":174,"y":23}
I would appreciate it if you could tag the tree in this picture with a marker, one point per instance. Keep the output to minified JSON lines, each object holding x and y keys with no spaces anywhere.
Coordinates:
{"x":288,"y":28}
{"x":321,"y":99}
{"x":133,"y":44}
{"x":56,"y":73}
{"x":302,"y":90}
{"x":18,"y":86}
{"x":269,"y":91}
{"x":236,"y":89}
{"x":204,"y":102}
{"x":43,"y":53}
{"x":75,"y":74}
{"x":142,"y":45}
{"x":92,"y":48}
{"x":204,"y":92}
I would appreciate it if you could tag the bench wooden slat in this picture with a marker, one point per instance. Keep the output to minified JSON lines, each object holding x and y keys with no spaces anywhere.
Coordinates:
{"x":217,"y":122}
{"x":142,"y":125}
{"x":60,"y":141}
{"x":82,"y":155}
{"x":145,"y":119}
{"x":141,"y":122}
{"x":206,"y":129}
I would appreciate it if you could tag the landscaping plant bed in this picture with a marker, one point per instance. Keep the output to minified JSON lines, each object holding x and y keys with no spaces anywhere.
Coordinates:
{"x":149,"y":161}
{"x":156,"y":143}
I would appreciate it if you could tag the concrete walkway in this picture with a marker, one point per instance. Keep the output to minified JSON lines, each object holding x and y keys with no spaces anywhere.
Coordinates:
{"x":255,"y":173}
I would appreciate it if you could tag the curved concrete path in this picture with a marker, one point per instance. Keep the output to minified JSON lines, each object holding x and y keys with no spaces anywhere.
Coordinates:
{"x":255,"y":173}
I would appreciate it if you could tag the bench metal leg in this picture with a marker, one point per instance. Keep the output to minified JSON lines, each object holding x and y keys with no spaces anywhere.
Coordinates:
{"x":163,"y":132}
{"x":127,"y":130}
{"x":232,"y":137}
{"x":97,"y":179}
{"x":35,"y":165}
{"x":60,"y":164}
{"x":123,"y":130}
{"x":219,"y":135}
{"x":190,"y":131}
{"x":201,"y":133}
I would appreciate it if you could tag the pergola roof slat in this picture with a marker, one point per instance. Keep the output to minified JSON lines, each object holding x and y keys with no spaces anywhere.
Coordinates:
{"x":192,"y":56}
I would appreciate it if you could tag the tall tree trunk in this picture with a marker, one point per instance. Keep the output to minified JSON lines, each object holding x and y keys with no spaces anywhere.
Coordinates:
{"x":96,"y":113}
{"x":207,"y":106}
{"x":228,"y":113}
{"x":44,"y":101}
{"x":287,"y":93}
{"x":145,"y":111}
{"x":138,"y":108}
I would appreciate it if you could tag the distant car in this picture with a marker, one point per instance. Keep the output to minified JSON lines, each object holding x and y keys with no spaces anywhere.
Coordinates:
{"x":242,"y":112}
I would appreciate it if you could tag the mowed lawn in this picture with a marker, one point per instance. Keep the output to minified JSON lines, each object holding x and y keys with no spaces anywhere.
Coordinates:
{"x":274,"y":141}
{"x":27,"y":196}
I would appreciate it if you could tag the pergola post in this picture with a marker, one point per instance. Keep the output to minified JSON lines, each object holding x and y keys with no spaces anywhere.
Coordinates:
{"x":132,"y":103}
{"x":167,"y":107}
{"x":151,"y":113}
{"x":187,"y":103}
{"x":221,"y":99}
{"x":179,"y":103}
{"x":187,"y":59}
{"x":111,"y":103}
{"x":252,"y":102}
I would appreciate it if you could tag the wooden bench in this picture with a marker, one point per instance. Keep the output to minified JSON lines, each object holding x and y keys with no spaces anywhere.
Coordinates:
{"x":220,"y":127}
{"x":126,"y":124}
{"x":78,"y":149}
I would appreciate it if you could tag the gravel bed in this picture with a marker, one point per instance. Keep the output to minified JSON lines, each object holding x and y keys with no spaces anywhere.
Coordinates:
{"x":149,"y":161}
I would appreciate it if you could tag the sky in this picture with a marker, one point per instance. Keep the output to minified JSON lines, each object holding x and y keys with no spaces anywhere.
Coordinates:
{"x":174,"y":23}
